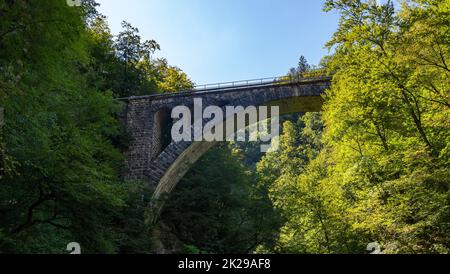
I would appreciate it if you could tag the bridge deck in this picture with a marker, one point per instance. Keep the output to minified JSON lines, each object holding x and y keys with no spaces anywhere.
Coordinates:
{"x":235,"y":86}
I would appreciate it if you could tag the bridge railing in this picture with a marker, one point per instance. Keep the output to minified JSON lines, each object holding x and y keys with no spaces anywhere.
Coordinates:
{"x":241,"y":83}
{"x":313,"y":75}
{"x":287,"y":79}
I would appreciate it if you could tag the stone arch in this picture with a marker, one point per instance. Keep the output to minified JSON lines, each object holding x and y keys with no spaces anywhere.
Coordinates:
{"x":145,"y":118}
{"x":177,"y":159}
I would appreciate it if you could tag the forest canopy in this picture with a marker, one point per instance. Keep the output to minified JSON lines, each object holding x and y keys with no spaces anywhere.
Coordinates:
{"x":373,"y":167}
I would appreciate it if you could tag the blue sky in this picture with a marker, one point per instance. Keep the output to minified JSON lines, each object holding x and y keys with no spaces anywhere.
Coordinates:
{"x":226,"y":40}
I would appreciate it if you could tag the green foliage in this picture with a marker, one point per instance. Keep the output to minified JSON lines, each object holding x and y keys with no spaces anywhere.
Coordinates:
{"x":297,"y":179}
{"x":124,"y":64}
{"x":213,"y":213}
{"x":169,"y":78}
{"x":57,"y":132}
{"x":373,"y":167}
{"x":379,"y":171}
{"x":60,"y":69}
{"x":387,"y":118}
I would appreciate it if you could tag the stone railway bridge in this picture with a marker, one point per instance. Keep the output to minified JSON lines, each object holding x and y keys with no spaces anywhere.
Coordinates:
{"x":151,"y":154}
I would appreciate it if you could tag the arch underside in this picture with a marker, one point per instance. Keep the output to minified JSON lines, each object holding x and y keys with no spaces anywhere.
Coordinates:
{"x":179,"y":157}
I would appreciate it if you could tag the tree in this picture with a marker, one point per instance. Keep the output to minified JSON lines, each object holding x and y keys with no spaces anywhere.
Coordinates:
{"x":384,"y":130}
{"x":380,"y":173}
{"x":301,"y":68}
{"x":59,"y":158}
{"x":299,"y":186}
{"x":303,"y":65}
{"x":58,"y":132}
{"x":169,"y":78}
{"x":231,"y":216}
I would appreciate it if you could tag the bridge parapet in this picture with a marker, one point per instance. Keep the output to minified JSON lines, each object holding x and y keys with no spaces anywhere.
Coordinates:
{"x":235,"y":86}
